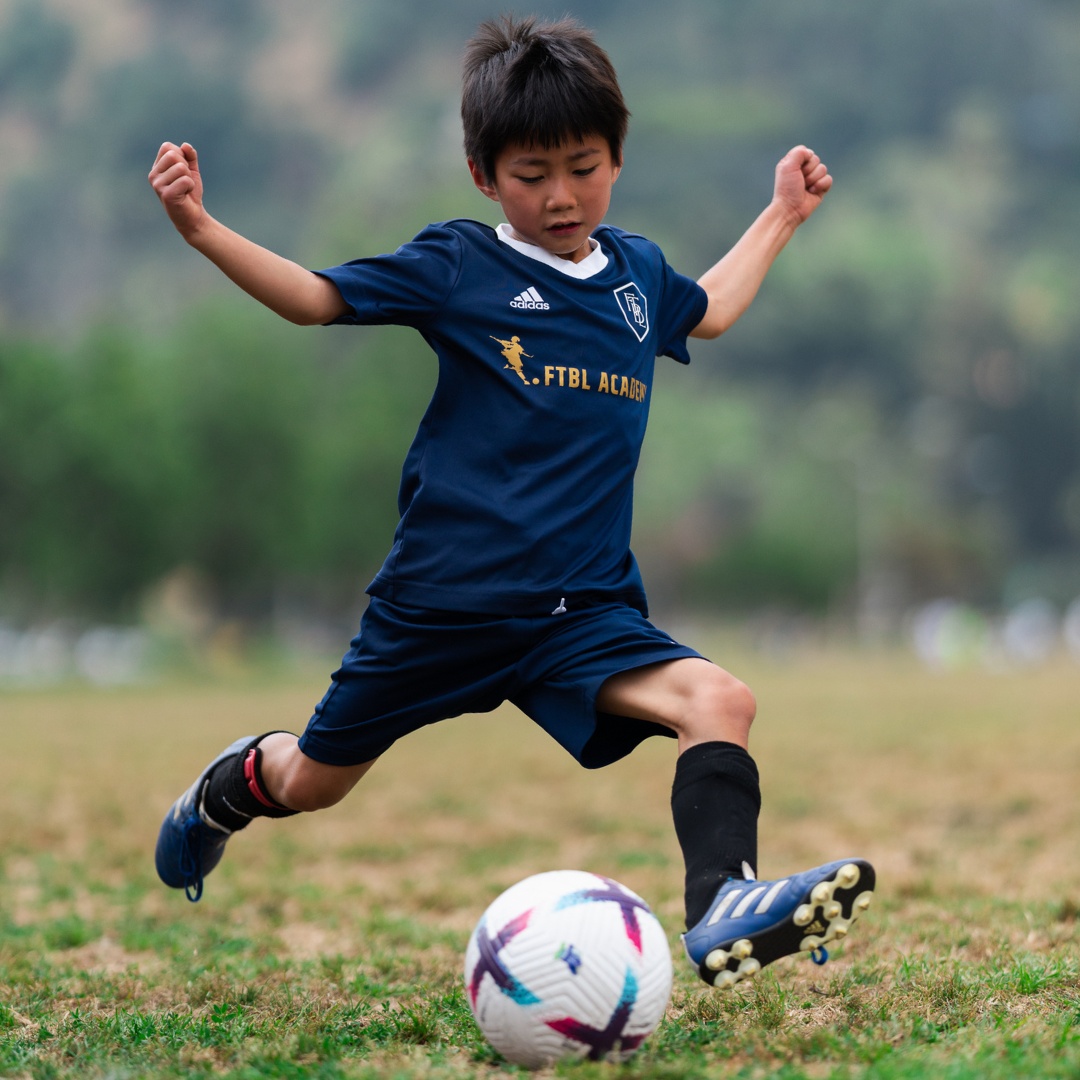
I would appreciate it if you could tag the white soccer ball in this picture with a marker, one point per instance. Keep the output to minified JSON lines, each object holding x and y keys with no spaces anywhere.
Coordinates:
{"x":567,"y":964}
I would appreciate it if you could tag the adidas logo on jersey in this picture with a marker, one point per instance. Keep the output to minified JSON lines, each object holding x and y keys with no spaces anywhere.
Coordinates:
{"x":530,"y":300}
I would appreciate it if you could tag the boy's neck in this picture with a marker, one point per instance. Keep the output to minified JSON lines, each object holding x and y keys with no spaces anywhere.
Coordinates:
{"x":592,"y":264}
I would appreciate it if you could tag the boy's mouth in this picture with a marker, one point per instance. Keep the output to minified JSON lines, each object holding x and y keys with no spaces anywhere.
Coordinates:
{"x":564,"y":228}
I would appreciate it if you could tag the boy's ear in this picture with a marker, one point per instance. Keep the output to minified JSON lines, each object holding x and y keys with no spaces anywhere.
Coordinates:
{"x":481,"y":181}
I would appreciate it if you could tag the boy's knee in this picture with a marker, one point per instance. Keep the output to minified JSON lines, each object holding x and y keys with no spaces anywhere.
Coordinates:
{"x":726,"y":703}
{"x":733,"y":697}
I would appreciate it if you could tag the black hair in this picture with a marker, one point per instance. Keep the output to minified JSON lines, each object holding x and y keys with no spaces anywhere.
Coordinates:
{"x":540,"y":84}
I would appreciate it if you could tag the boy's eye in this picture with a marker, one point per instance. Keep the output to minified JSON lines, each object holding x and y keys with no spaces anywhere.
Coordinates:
{"x":530,"y":179}
{"x":586,"y":172}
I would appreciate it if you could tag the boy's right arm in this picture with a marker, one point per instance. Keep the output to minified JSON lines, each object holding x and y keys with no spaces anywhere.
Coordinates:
{"x":285,"y":287}
{"x":801,"y":182}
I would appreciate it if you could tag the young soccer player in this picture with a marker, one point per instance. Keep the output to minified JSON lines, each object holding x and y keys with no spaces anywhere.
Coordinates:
{"x":511,"y":576}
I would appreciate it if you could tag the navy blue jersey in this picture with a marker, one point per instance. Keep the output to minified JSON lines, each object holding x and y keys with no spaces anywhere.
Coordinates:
{"x":516,"y":495}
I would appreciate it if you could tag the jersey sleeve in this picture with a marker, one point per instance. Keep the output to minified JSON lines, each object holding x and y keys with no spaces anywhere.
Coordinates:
{"x":405,"y":288}
{"x":683,"y":305}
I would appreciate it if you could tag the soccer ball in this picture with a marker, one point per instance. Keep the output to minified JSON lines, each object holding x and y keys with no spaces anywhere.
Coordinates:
{"x":567,"y":964}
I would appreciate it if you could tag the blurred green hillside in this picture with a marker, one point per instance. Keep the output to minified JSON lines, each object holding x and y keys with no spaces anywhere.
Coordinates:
{"x":897,"y":418}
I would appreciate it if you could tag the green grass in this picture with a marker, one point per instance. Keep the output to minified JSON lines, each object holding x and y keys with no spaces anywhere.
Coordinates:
{"x":330,"y":945}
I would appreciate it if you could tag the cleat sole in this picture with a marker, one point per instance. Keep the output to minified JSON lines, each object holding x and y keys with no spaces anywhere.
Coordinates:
{"x":729,"y":977}
{"x":848,"y":876}
{"x":716,"y":960}
{"x":828,"y":911}
{"x":741,"y":949}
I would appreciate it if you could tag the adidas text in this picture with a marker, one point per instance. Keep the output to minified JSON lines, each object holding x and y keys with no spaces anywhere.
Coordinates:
{"x":530,"y":300}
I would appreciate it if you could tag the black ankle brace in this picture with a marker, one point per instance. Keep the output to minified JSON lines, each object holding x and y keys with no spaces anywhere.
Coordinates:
{"x":235,"y":793}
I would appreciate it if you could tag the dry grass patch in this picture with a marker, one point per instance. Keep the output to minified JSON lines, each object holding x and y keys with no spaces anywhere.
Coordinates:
{"x":332,"y":942}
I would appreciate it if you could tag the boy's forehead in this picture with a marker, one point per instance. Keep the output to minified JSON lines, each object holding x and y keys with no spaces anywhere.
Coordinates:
{"x":535,"y":154}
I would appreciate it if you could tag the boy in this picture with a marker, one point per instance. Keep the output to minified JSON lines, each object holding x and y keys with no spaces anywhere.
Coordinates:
{"x":511,"y":576}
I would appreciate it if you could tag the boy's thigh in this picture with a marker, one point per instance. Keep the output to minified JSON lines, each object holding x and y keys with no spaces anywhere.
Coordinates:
{"x":563,"y":677}
{"x":407,"y":668}
{"x":693,"y":697}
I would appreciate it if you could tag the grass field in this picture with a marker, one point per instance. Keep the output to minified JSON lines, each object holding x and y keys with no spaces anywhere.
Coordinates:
{"x":329,"y":946}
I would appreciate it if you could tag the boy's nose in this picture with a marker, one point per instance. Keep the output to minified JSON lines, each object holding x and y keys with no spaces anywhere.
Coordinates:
{"x":559,"y":196}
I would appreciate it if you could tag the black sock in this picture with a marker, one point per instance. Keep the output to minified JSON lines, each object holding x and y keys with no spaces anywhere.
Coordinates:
{"x":235,"y":792}
{"x":715,"y":801}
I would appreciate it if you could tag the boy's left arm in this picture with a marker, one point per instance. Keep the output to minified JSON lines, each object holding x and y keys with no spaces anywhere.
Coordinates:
{"x":802,"y":181}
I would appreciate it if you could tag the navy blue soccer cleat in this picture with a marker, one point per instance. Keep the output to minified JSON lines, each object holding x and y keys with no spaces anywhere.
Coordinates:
{"x":752,"y":923}
{"x":188,"y":846}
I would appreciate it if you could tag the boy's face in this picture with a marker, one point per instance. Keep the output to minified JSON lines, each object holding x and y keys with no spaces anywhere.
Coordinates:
{"x":553,"y":198}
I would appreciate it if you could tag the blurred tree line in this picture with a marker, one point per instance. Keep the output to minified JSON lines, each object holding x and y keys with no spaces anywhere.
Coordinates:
{"x":896,"y":418}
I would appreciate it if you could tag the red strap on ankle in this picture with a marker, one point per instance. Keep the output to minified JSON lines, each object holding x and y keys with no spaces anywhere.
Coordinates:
{"x":252,"y":779}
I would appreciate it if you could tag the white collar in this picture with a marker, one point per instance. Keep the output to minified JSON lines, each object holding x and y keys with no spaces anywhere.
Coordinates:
{"x":592,"y":264}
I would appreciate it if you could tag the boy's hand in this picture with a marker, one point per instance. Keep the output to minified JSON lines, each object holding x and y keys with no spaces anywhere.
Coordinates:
{"x":802,"y":181}
{"x":175,"y":179}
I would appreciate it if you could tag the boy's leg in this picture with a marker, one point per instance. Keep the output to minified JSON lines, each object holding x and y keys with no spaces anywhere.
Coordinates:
{"x":264,"y":776}
{"x":735,"y":924}
{"x":405,"y":669}
{"x":715,"y":796}
{"x":295,"y":780}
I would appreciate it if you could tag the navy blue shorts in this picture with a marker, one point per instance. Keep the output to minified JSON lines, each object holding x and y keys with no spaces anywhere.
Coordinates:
{"x":408,"y":667}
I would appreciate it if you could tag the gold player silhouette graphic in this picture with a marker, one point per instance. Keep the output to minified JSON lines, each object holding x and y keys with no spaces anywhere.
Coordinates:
{"x":513,"y":352}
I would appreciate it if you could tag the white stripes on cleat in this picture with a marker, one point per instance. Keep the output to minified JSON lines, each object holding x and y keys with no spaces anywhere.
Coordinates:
{"x":768,"y":895}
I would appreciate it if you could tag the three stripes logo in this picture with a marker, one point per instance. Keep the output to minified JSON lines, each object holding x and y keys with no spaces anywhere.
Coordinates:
{"x":530,"y":300}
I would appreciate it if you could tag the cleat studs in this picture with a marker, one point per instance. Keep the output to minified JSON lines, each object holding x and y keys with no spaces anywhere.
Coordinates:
{"x":741,"y":949}
{"x":749,"y":967}
{"x":863,"y":903}
{"x":848,"y":875}
{"x":716,"y":960}
{"x":725,"y":980}
{"x":840,"y":931}
{"x":821,"y":892}
{"x":804,"y":915}
{"x":833,"y":910}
